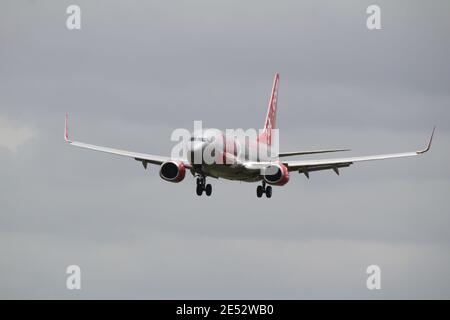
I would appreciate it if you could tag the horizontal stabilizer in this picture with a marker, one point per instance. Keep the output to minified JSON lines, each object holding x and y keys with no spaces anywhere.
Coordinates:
{"x":302,"y":153}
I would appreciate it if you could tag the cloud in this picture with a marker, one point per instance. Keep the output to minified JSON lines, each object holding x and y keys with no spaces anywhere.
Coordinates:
{"x":13,"y":135}
{"x":137,"y":71}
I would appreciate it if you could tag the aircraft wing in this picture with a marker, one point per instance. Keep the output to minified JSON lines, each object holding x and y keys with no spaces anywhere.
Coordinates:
{"x":142,"y":157}
{"x":306,"y":166}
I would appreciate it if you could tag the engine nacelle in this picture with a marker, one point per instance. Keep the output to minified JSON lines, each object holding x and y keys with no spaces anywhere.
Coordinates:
{"x":277,"y":174}
{"x":172,"y":171}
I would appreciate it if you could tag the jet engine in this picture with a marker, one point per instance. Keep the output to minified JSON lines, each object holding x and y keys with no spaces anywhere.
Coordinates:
{"x":277,"y":174}
{"x":172,"y":171}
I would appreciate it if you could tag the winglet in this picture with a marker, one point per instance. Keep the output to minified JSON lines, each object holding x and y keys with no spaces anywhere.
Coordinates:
{"x":66,"y":129}
{"x":429,"y":143}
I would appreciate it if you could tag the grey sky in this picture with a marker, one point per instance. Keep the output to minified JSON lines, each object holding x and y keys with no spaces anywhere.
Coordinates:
{"x":137,"y":70}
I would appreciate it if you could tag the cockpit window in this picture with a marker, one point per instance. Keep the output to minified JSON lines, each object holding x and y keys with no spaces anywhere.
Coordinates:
{"x":198,"y":139}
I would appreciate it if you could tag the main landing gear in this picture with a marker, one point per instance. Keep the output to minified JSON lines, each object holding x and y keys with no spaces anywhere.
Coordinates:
{"x":263,"y":189}
{"x":202,"y":186}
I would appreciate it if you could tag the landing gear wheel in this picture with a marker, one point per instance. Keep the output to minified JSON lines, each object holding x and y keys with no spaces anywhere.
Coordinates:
{"x":208,"y":189}
{"x":199,"y":189}
{"x":263,"y":189}
{"x":202,"y":186}
{"x":259,"y":191}
{"x":269,"y":192}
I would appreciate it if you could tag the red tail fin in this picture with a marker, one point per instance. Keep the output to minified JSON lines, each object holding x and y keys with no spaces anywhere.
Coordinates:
{"x":271,"y":118}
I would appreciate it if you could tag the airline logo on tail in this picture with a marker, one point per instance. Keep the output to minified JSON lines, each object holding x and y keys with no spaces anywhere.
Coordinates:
{"x":271,"y":117}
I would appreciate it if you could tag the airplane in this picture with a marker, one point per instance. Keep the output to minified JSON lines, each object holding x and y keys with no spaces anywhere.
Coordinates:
{"x":244,"y":166}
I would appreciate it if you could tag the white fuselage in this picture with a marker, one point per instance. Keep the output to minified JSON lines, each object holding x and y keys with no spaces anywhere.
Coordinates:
{"x":228,"y":157}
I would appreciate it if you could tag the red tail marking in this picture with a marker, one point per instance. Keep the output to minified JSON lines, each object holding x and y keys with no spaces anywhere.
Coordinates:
{"x":271,"y":118}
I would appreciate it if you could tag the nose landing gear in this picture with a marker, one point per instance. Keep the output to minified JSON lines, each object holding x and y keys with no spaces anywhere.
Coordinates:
{"x":202,"y":186}
{"x":260,"y":190}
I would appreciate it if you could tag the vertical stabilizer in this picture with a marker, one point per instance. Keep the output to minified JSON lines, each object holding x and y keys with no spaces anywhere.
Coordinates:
{"x":271,"y":118}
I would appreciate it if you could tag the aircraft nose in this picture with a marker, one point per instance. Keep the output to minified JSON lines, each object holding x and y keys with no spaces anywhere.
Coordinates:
{"x":195,"y":152}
